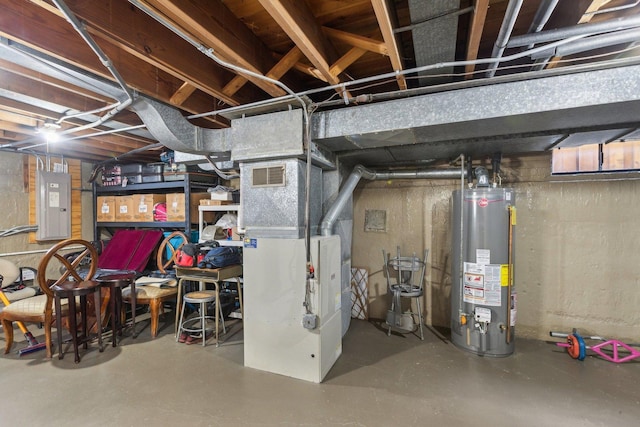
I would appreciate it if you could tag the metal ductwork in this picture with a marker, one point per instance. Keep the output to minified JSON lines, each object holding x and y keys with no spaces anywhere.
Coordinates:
{"x":167,"y":125}
{"x":359,"y":171}
{"x":434,"y":28}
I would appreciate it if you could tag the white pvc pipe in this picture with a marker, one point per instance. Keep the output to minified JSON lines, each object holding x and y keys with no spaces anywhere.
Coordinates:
{"x":39,"y":251}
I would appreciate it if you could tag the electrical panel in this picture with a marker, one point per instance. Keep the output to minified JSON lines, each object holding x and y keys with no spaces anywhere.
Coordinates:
{"x":53,"y":205}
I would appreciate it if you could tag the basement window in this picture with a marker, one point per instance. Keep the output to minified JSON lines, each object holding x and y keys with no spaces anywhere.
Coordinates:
{"x":595,"y":158}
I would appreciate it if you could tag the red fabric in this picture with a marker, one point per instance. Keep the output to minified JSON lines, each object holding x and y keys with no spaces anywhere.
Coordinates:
{"x":129,"y":250}
{"x":160,"y":212}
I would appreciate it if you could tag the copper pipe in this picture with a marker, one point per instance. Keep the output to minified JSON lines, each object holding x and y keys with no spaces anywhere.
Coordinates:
{"x":510,"y":274}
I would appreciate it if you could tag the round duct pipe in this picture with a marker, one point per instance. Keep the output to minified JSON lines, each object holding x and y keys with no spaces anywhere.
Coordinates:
{"x":359,"y":171}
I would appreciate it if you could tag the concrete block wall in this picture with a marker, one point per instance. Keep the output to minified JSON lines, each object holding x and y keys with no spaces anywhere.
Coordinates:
{"x":576,"y":247}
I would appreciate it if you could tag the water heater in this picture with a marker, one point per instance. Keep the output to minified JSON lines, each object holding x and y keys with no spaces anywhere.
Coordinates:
{"x":483,"y":301}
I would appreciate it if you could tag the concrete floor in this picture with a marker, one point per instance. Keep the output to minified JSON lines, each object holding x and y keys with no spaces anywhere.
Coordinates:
{"x":378,"y":381}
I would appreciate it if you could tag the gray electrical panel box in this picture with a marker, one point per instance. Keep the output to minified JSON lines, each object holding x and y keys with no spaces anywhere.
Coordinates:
{"x":53,"y":205}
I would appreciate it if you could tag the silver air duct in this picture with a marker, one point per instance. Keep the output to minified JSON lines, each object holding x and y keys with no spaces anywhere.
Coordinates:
{"x":326,"y":226}
{"x":166,"y":124}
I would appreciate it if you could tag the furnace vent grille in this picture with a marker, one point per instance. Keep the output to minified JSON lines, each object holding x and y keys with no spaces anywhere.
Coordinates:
{"x":272,"y":176}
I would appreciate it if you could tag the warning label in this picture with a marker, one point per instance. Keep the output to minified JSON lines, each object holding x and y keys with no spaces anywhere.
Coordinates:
{"x":482,"y":284}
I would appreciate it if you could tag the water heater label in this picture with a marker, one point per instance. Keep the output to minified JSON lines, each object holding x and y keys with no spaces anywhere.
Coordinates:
{"x":482,"y":284}
{"x":504,"y":275}
{"x":483,"y":256}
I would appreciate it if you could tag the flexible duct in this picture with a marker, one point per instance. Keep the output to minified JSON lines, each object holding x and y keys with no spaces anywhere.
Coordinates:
{"x":359,"y":171}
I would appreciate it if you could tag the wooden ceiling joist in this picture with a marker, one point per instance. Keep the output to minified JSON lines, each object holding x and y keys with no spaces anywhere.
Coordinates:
{"x":210,"y":22}
{"x":356,"y":40}
{"x":383,"y":15}
{"x":346,"y":60}
{"x":297,"y":20}
{"x":475,"y":34}
{"x":282,"y":66}
{"x":143,"y":37}
{"x":182,"y":93}
{"x":22,"y":22}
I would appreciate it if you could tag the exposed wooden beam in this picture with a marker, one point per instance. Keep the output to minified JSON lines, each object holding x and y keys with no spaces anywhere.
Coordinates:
{"x":475,"y":34}
{"x":27,"y":86}
{"x":11,"y":126}
{"x":105,"y":145}
{"x":113,"y":141}
{"x":234,"y":85}
{"x":383,"y":16}
{"x":50,"y":81}
{"x":7,"y":135}
{"x":297,"y":20}
{"x":20,"y":107}
{"x":21,"y":119}
{"x":332,"y":10}
{"x":285,"y":63}
{"x":143,"y":37}
{"x":310,"y":70}
{"x":595,"y":6}
{"x":216,"y":27}
{"x":282,"y":66}
{"x":356,"y":40}
{"x":182,"y":93}
{"x":346,"y":60}
{"x":23,"y":22}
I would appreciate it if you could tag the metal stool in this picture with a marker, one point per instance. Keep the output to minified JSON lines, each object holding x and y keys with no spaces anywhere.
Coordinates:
{"x":202,"y":298}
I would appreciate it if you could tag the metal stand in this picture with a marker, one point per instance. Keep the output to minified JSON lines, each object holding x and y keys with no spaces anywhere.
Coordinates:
{"x":403,"y":284}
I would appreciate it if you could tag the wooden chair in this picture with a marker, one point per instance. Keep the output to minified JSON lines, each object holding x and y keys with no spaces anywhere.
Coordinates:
{"x":155,"y":293}
{"x":40,"y":308}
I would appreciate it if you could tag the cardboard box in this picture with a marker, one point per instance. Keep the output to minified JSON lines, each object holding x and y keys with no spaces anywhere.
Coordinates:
{"x":209,"y":202}
{"x":224,"y":195}
{"x":143,"y":206}
{"x":124,"y":209}
{"x":235,"y":235}
{"x":176,"y":207}
{"x":105,"y":209}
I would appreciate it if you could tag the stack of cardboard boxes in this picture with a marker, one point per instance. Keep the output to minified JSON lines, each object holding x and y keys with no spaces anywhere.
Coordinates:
{"x":140,"y":207}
